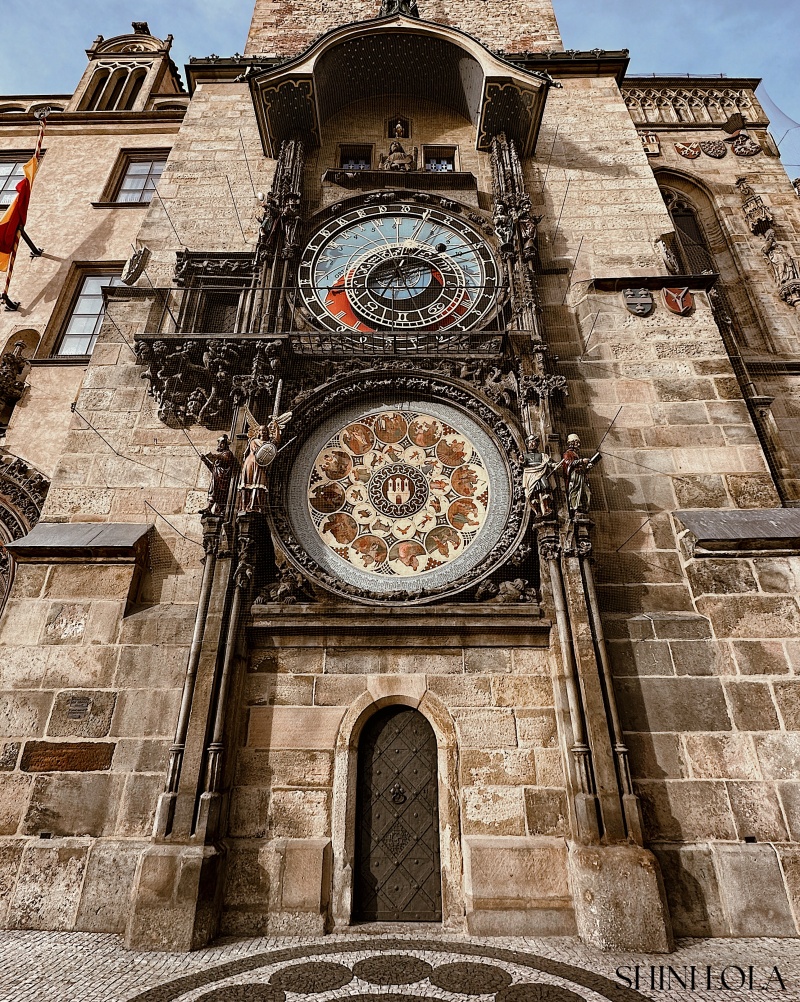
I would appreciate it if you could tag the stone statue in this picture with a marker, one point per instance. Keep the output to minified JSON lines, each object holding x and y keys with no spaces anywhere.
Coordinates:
{"x":503,"y":226}
{"x":669,"y":256}
{"x":398,"y":159}
{"x":262,"y":448}
{"x":222,"y":464}
{"x":576,"y":470}
{"x":391,"y":7}
{"x":538,"y":468}
{"x":784,"y":266}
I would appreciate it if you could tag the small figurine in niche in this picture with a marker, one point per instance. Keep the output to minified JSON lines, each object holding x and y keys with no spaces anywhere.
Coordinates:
{"x":538,"y":468}
{"x":222,"y":464}
{"x":576,"y":470}
{"x":398,"y":159}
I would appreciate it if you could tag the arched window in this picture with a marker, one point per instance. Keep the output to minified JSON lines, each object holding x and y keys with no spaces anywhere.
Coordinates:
{"x":132,"y":89}
{"x":110,"y":96}
{"x":693,"y":249}
{"x":95,"y":89}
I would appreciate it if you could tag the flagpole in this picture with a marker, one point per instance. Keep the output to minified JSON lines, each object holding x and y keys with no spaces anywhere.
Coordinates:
{"x":10,"y":305}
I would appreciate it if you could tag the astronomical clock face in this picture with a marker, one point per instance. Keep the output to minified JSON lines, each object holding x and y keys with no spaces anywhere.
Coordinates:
{"x":404,"y":267}
{"x":402,"y":497}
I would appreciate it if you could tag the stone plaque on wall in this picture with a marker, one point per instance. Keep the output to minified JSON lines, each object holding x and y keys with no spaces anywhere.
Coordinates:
{"x":67,"y":756}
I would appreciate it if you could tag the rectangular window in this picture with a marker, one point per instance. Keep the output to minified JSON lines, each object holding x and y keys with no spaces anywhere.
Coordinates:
{"x":439,"y":159}
{"x":86,"y":316}
{"x":355,"y":157}
{"x":140,"y":179}
{"x":10,"y":176}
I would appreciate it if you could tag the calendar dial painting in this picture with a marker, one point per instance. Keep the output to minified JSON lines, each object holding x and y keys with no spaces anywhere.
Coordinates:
{"x":398,"y":493}
{"x":405,"y":499}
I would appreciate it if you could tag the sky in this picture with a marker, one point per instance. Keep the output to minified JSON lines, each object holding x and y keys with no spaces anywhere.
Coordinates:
{"x":754,"y":38}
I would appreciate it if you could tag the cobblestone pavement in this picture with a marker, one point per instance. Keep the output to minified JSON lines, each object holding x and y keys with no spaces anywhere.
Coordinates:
{"x":83,"y":967}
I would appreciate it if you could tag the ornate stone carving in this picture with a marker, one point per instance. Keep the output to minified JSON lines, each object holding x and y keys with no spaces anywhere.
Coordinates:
{"x":398,"y":159}
{"x":22,"y":494}
{"x":703,"y":105}
{"x":389,"y":8}
{"x":191,"y":266}
{"x":785,"y":269}
{"x":758,"y":216}
{"x":538,"y":387}
{"x":199,"y":380}
{"x":13,"y":370}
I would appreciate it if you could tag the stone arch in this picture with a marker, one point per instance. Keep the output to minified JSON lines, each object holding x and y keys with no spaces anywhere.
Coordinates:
{"x":688,"y":193}
{"x":383,"y":691}
{"x":22,"y":494}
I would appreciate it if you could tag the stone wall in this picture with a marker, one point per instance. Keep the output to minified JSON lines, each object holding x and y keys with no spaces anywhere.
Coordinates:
{"x":280,"y":29}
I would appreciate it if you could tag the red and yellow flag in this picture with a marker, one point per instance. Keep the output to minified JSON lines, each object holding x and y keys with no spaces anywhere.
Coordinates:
{"x":17,"y":213}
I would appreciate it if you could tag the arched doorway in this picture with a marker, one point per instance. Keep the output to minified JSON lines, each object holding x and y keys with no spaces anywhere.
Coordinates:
{"x":397,"y":872}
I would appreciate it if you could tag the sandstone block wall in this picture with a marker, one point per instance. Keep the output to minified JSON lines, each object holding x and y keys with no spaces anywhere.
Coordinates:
{"x":280,"y":29}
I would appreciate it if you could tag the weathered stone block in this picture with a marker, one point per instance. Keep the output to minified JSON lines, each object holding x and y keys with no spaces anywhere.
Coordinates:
{"x":685,"y":810}
{"x":461,"y":690}
{"x":65,"y":623}
{"x":294,"y":727}
{"x":74,"y":804}
{"x":487,"y":660}
{"x":138,"y":806}
{"x":66,"y":756}
{"x":508,"y":767}
{"x":690,"y":881}
{"x":701,"y":657}
{"x":753,"y":491}
{"x":721,"y":577}
{"x":338,"y":690}
{"x":490,"y":728}
{"x":721,"y":756}
{"x":778,"y":574}
{"x":141,"y":755}
{"x":667,"y":704}
{"x":306,"y":875}
{"x":24,"y":713}
{"x":530,"y":661}
{"x":789,"y":795}
{"x":89,"y":667}
{"x":279,"y":690}
{"x":753,"y":891}
{"x":536,"y":728}
{"x":681,"y":627}
{"x":640,"y":657}
{"x":522,"y":690}
{"x":146,"y":713}
{"x":749,"y":616}
{"x":752,"y":706}
{"x":779,"y":755}
{"x":619,"y":898}
{"x":765,"y":657}
{"x":84,"y":581}
{"x":756,"y":811}
{"x":546,"y":812}
{"x":295,"y":660}
{"x":157,"y":666}
{"x":14,"y":790}
{"x":549,"y":767}
{"x":493,"y":810}
{"x":9,"y":753}
{"x":106,"y":896}
{"x":249,"y":812}
{"x":701,"y":492}
{"x":260,"y":767}
{"x":397,"y":662}
{"x":299,"y":814}
{"x":10,"y":858}
{"x":81,"y":713}
{"x":656,"y":756}
{"x":48,"y":887}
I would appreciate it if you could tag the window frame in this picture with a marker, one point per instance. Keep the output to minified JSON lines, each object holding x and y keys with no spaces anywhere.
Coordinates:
{"x":50,"y":344}
{"x":20,"y":157}
{"x":440,"y":150}
{"x":353,"y":149}
{"x":113,"y":187}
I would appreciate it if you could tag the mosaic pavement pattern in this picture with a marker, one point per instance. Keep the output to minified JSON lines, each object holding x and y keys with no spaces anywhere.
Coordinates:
{"x":81,"y":967}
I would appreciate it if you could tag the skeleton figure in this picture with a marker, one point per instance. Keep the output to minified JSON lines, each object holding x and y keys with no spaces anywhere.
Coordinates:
{"x":576,"y":470}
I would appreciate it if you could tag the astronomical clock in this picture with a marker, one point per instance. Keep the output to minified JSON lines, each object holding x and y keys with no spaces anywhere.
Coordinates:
{"x":402,"y":484}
